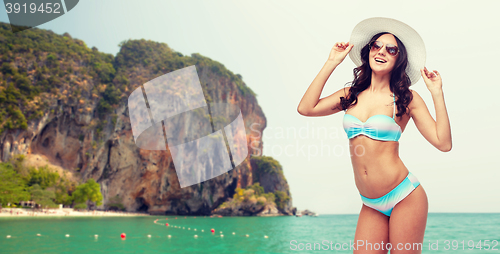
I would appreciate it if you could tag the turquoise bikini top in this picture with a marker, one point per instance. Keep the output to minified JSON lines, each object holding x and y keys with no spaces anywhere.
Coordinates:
{"x":378,"y":127}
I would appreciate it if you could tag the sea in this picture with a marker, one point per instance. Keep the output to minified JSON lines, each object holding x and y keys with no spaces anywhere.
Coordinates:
{"x":445,"y":233}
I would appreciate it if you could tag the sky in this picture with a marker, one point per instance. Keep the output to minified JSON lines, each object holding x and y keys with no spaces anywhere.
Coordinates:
{"x":280,"y":46}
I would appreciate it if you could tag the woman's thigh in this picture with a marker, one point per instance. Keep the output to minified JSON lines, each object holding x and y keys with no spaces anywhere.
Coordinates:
{"x":407,"y":223}
{"x":372,"y":232}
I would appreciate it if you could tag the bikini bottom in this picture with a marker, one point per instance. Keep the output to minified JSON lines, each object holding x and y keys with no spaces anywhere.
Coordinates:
{"x":386,"y":203}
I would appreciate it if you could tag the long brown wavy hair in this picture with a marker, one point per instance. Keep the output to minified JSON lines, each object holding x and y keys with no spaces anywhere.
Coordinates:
{"x":399,"y":84}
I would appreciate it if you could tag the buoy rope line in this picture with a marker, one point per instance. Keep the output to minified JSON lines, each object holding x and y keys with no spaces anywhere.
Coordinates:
{"x":167,"y":224}
{"x":123,"y":236}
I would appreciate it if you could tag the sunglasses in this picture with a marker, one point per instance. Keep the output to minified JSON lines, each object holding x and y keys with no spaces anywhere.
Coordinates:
{"x":390,"y":48}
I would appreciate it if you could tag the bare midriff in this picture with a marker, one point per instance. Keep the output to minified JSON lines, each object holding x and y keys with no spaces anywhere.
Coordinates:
{"x":377,"y":166}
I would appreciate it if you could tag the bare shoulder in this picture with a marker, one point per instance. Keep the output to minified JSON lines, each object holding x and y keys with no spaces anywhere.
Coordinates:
{"x":342,"y":92}
{"x":416,"y":97}
{"x":417,"y":102}
{"x":345,"y":90}
{"x":334,"y":99}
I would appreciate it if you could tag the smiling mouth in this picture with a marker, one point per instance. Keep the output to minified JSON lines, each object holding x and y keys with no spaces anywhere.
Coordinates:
{"x":380,"y":60}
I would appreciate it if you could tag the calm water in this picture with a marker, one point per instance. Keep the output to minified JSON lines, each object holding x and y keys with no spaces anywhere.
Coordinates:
{"x":280,"y":231}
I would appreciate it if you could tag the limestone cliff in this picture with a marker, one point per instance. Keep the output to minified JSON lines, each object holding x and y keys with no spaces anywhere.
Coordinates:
{"x":66,"y":105}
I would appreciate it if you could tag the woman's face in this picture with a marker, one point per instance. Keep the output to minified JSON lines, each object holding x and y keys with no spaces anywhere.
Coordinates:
{"x":381,"y":62}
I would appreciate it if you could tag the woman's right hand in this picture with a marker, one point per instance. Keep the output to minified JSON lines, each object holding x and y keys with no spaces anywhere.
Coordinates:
{"x":339,"y":52}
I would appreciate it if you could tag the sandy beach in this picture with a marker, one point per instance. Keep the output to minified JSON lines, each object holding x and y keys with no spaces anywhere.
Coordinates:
{"x":20,"y":212}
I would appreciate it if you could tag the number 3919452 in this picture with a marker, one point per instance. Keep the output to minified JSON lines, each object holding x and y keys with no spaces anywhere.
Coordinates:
{"x":33,"y":8}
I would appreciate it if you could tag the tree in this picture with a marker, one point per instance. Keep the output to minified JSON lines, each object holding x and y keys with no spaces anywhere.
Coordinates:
{"x":42,"y":197}
{"x":89,"y":191}
{"x":62,"y":196}
{"x":43,"y":176}
{"x":12,"y":186}
{"x":259,"y":190}
{"x":52,"y":60}
{"x":80,"y":206}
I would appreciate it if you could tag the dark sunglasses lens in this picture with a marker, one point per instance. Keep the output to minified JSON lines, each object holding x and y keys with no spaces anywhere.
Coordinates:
{"x":376,"y":45}
{"x":392,"y":49}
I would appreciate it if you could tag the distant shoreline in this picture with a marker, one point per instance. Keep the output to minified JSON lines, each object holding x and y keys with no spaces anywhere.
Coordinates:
{"x":65,"y":212}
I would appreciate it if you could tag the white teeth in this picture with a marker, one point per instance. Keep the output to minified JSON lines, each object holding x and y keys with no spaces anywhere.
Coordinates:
{"x":379,"y":60}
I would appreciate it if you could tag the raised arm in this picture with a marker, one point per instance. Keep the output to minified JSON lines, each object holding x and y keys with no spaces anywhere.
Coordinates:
{"x":437,"y":132}
{"x":311,"y":104}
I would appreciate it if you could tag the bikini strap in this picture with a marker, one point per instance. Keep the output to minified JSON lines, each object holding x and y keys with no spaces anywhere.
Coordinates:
{"x":394,"y":111}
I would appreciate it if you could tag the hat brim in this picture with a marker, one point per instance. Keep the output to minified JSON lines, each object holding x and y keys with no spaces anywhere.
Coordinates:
{"x":412,"y":41}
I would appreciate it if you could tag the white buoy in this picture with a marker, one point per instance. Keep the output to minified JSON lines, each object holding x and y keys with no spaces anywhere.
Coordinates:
{"x":38,"y":235}
{"x":221,"y":235}
{"x":96,"y":236}
{"x":234,"y":233}
{"x":247,"y":235}
{"x":67,"y":235}
{"x":149,"y":236}
{"x":169,"y":236}
{"x":195,"y":229}
{"x":195,"y":236}
{"x":182,"y":227}
{"x":8,"y":236}
{"x":202,"y":230}
{"x":265,"y":236}
{"x":221,"y":232}
{"x":189,"y":228}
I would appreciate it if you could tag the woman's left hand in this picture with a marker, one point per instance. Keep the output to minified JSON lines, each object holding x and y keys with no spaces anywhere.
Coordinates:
{"x":432,"y":79}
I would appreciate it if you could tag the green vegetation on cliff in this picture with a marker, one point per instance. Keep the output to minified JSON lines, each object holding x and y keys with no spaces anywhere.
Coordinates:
{"x":281,"y":199}
{"x":252,"y":195}
{"x":40,"y":69}
{"x":43,"y":185}
{"x":268,"y":171}
{"x":38,"y":66}
{"x":159,"y":59}
{"x":266,"y":165}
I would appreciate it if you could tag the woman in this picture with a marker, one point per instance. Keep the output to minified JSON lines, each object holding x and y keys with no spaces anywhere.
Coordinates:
{"x":377,"y":108}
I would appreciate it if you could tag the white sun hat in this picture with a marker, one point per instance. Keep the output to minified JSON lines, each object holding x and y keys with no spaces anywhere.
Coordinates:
{"x":412,"y":41}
